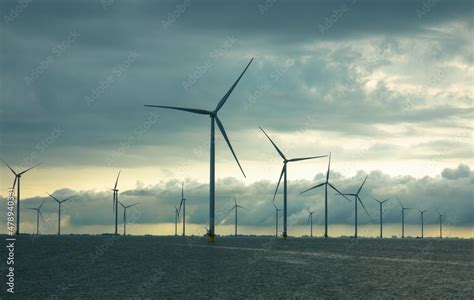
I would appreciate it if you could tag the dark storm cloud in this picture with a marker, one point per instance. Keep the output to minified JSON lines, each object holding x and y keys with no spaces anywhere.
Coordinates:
{"x":59,"y":54}
{"x":451,"y":194}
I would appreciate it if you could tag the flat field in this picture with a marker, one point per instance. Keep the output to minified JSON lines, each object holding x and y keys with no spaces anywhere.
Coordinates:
{"x":152,"y":267}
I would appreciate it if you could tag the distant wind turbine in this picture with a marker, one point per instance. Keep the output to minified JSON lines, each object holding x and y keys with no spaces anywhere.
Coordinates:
{"x":284,"y":173}
{"x":183,"y":204}
{"x":357,"y":199}
{"x":17,"y":179}
{"x":214,"y":119}
{"x":380,"y":206}
{"x":422,"y":212}
{"x":125,"y":215}
{"x":115,"y":203}
{"x":38,"y":214}
{"x":176,"y":219}
{"x":276,"y":218}
{"x":440,"y":224}
{"x":326,"y":184}
{"x":403,"y":216}
{"x":236,"y":207}
{"x":59,"y":209}
{"x":310,"y":218}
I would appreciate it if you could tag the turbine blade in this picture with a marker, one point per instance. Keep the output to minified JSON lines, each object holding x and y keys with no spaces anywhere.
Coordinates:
{"x":386,"y":200}
{"x":41,"y":214}
{"x":362,"y":185}
{"x":42,"y":203}
{"x":400,"y":202}
{"x":57,"y":200}
{"x":191,"y":110}
{"x":360,"y":201}
{"x":278,"y":184}
{"x":329,"y":167}
{"x":242,"y":207}
{"x":316,"y":186}
{"x":69,"y":198}
{"x":334,"y":188}
{"x":274,"y":145}
{"x":14,"y":182}
{"x":13,"y":171}
{"x":180,"y":205}
{"x":306,"y":158}
{"x":224,"y":99}
{"x":116,"y":181}
{"x":29,"y":169}
{"x":221,"y":127}
{"x":121,"y":204}
{"x":132,"y":205}
{"x":377,"y":200}
{"x":309,"y":217}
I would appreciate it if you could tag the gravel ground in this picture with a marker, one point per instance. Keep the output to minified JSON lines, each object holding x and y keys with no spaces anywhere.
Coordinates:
{"x":141,"y":267}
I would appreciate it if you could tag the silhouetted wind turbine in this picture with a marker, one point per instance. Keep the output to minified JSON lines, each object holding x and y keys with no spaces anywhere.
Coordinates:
{"x":59,"y":209}
{"x":236,"y":207}
{"x":284,"y":172}
{"x":440,"y":224}
{"x":357,"y":199}
{"x":18,"y":179}
{"x":125,"y":215}
{"x":115,"y":202}
{"x":403,"y":216}
{"x":326,"y":184}
{"x":183,"y":204}
{"x":276,"y":218}
{"x":310,"y":218}
{"x":176,"y":219}
{"x":38,"y":214}
{"x":214,"y":119}
{"x":380,"y":206}
{"x":422,"y":212}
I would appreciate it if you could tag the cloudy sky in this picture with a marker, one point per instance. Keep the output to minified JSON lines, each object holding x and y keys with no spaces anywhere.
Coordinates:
{"x":385,"y":86}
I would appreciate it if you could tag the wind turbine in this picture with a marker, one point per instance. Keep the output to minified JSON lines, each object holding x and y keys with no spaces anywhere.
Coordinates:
{"x":183,"y":204}
{"x":276,"y":218}
{"x":38,"y":214}
{"x":326,"y":184}
{"x":115,"y":202}
{"x":236,"y":207}
{"x":440,"y":224}
{"x":403,"y":216}
{"x":284,"y":172}
{"x":422,"y":212}
{"x":214,"y":119}
{"x":380,"y":205}
{"x":357,"y":198}
{"x":176,"y":219}
{"x":18,"y":179}
{"x":125,"y":215}
{"x":59,"y":209}
{"x":310,"y":218}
